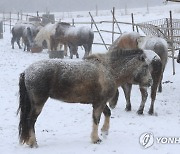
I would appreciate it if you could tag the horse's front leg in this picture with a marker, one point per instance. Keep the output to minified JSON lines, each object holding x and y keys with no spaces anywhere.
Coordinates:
{"x":65,"y":49}
{"x":106,"y":125}
{"x":12,"y":42}
{"x":144,"y":95}
{"x":97,"y":111}
{"x":127,"y":92}
{"x":18,"y":43}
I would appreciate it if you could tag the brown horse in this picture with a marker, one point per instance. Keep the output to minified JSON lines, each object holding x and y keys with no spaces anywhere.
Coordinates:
{"x":92,"y":81}
{"x":157,"y":65}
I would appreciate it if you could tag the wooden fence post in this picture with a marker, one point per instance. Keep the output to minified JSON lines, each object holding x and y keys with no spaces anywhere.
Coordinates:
{"x":113,"y":15}
{"x":10,"y":21}
{"x":73,"y":22}
{"x":116,"y":23}
{"x":91,"y":24}
{"x":4,"y":20}
{"x":21,"y":15}
{"x":27,"y":17}
{"x":98,"y":30}
{"x":132,"y":16}
{"x":172,"y":42}
{"x":18,"y":16}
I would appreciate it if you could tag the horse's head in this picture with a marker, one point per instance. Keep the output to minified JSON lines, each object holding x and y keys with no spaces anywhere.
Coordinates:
{"x":61,"y":28}
{"x":28,"y":37}
{"x":142,"y":74}
{"x":132,"y":65}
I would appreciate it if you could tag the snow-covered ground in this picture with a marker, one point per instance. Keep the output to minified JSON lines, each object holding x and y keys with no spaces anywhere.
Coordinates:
{"x":65,"y":128}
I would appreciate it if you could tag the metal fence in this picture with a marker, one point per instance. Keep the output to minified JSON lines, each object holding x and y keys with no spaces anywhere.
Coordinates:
{"x":167,"y":28}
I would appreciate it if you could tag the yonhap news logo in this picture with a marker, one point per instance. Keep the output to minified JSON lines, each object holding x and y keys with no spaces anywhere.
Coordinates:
{"x":147,"y":139}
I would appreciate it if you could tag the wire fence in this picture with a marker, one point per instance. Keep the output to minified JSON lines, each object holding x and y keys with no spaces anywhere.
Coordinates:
{"x":167,"y":28}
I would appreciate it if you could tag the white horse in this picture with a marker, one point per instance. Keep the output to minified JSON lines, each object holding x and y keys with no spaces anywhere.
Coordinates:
{"x":45,"y":33}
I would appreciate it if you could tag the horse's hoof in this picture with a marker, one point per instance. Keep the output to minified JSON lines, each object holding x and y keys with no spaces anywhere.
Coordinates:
{"x":159,"y":90}
{"x":140,"y":112}
{"x":98,"y":141}
{"x":33,"y":145}
{"x":128,"y":108}
{"x":151,"y":112}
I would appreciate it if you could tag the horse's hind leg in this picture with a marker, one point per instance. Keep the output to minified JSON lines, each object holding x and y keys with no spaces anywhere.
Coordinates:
{"x":12,"y":42}
{"x":160,"y":83}
{"x":18,"y":43}
{"x":107,"y":114}
{"x":113,"y":101}
{"x":153,"y":95}
{"x":127,"y":92}
{"x":86,"y":48}
{"x":144,"y":95}
{"x":34,"y":113}
{"x":97,"y":111}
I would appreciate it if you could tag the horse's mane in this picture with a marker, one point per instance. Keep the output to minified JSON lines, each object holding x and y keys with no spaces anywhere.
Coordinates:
{"x":96,"y":57}
{"x":119,"y":53}
{"x":64,"y":23}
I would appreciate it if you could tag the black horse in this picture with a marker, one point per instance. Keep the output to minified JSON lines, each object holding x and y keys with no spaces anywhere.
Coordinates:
{"x":92,"y":81}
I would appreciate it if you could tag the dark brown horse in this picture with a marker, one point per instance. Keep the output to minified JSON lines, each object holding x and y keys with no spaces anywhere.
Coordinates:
{"x":157,"y":65}
{"x":74,"y":37}
{"x":92,"y":81}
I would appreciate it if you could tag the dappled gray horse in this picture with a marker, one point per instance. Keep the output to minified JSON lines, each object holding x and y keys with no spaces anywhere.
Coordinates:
{"x":74,"y":37}
{"x":27,"y":32}
{"x":158,"y":60}
{"x":92,"y":81}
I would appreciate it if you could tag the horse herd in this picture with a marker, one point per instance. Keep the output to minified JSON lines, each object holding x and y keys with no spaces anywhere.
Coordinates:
{"x":131,"y":59}
{"x":54,"y":34}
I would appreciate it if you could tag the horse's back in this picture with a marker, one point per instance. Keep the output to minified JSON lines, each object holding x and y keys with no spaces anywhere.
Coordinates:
{"x":80,"y":35}
{"x":159,"y":46}
{"x":126,"y":41}
{"x":67,"y":81}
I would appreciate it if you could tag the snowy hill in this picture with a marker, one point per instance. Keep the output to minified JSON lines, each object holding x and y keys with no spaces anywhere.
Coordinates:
{"x":65,"y":128}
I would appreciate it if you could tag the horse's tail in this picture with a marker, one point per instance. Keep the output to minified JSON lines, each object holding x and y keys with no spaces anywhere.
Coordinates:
{"x":24,"y":110}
